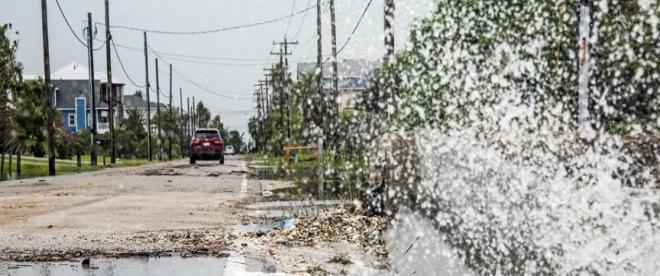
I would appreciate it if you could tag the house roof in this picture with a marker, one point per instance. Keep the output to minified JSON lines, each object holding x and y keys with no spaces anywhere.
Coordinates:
{"x":136,"y":101}
{"x":352,"y":73}
{"x":346,"y":68}
{"x":75,"y":71}
{"x":67,"y":91}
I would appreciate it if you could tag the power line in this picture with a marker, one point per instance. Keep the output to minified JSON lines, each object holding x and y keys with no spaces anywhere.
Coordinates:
{"x":122,"y":66}
{"x":187,"y":79}
{"x":69,"y":25}
{"x":217,"y":63}
{"x":356,"y":27}
{"x":302,"y":23}
{"x":293,"y":7}
{"x":174,"y":55}
{"x":218,"y":30}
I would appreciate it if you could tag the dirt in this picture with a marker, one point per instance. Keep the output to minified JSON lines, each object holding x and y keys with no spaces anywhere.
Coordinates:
{"x":120,"y":212}
{"x":175,"y":209}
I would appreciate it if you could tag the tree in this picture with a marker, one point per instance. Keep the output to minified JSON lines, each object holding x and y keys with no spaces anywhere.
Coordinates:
{"x":30,"y":118}
{"x":134,"y":123}
{"x":10,"y":79}
{"x":202,"y":115}
{"x":216,"y":123}
{"x":235,"y":139}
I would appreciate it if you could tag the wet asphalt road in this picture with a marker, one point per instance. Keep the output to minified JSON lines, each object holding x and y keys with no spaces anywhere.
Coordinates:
{"x":121,"y":210}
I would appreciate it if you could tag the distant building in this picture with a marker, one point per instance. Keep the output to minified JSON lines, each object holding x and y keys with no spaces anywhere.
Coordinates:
{"x":136,"y":101}
{"x":353,"y":74}
{"x":72,"y":98}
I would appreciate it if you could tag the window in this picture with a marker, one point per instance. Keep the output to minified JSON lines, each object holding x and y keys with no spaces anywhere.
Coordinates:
{"x":103,"y":117}
{"x":207,"y":134}
{"x":72,"y":119}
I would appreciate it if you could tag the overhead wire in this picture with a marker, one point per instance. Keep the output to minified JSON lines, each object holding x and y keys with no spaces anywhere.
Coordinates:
{"x":123,"y":68}
{"x":187,"y":79}
{"x":223,"y":29}
{"x":68,"y":24}
{"x":174,"y":55}
{"x":357,"y":25}
{"x":302,"y":22}
{"x":293,"y":7}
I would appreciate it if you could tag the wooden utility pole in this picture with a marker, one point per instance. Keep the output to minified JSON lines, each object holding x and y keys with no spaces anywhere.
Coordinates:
{"x":188,"y":117}
{"x":285,"y":97}
{"x":389,"y":28}
{"x":109,"y":88}
{"x":334,"y":104}
{"x":147,"y":88}
{"x":90,"y":48}
{"x":259,"y":94}
{"x":319,"y":100}
{"x":171,"y":130}
{"x":50,"y":128}
{"x":192,"y":110}
{"x":183,"y":134}
{"x":158,"y":119}
{"x":584,"y":61}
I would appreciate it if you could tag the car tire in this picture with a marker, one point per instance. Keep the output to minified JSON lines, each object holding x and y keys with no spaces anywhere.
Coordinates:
{"x":192,"y":160}
{"x":222,"y":160}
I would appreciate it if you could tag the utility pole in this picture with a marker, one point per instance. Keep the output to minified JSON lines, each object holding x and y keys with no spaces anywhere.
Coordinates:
{"x":584,"y":118}
{"x":286,"y":94}
{"x":319,"y":102}
{"x":389,"y":28}
{"x":267,"y":108}
{"x":258,"y":93}
{"x":109,"y":89}
{"x":158,"y":118}
{"x":188,"y":117}
{"x":90,"y":48}
{"x":335,"y":80}
{"x":192,"y":110}
{"x":171,"y":130}
{"x":147,"y":88}
{"x":49,"y":104}
{"x":183,"y":132}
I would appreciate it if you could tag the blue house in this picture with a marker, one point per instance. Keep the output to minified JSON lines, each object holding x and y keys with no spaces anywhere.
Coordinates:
{"x":72,"y":98}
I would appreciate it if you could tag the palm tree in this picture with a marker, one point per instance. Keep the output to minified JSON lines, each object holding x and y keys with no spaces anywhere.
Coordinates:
{"x":135,"y":123}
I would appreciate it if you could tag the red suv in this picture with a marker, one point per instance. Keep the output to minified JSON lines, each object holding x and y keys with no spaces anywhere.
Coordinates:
{"x":207,"y":145}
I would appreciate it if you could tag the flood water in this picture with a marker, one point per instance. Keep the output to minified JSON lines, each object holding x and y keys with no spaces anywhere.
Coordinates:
{"x":129,"y":266}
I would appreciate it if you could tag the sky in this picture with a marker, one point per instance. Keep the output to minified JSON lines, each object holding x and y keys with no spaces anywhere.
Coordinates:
{"x":239,"y":56}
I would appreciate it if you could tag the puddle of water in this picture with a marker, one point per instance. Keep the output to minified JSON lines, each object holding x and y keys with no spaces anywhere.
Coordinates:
{"x":110,"y":267}
{"x":288,"y":209}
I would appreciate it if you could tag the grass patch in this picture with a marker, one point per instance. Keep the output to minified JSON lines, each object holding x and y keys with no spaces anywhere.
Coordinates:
{"x":32,"y":167}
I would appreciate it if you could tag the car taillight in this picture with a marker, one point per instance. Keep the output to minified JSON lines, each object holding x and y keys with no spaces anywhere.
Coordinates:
{"x":217,"y":142}
{"x":195,"y":141}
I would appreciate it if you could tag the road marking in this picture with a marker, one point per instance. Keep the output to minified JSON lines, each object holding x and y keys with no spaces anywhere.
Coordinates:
{"x":243,"y":191}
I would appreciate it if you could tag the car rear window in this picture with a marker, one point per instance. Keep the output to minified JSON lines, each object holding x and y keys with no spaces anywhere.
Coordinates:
{"x":207,"y":134}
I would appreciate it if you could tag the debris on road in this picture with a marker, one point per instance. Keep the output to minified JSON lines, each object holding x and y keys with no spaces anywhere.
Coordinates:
{"x":334,"y":227}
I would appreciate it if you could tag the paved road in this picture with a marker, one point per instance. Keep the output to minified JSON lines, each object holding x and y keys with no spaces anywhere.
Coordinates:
{"x":160,"y":207}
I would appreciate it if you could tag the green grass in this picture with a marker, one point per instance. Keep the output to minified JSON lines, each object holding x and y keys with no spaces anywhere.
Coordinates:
{"x":32,"y":167}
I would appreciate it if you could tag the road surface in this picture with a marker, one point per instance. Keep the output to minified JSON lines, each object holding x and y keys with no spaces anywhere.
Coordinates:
{"x":156,"y":209}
